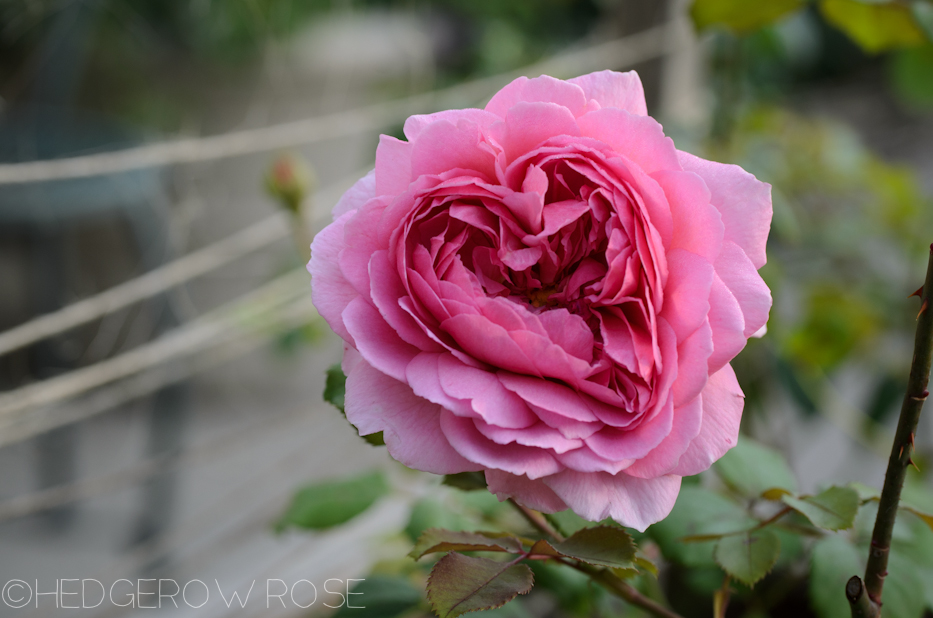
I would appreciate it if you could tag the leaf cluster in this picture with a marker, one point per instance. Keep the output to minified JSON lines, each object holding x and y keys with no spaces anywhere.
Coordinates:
{"x":757,"y":529}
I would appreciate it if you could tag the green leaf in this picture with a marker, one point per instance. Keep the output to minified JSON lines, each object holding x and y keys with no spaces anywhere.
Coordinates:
{"x":466,"y":481}
{"x":335,"y":387}
{"x":752,"y":469}
{"x":376,"y":439}
{"x":903,"y":589}
{"x":435,"y":540}
{"x":460,"y":584}
{"x":382,"y":596}
{"x":740,"y":16}
{"x":865,"y":492}
{"x":607,"y":546}
{"x":698,"y":511}
{"x":332,"y":503}
{"x":911,"y":560}
{"x":832,"y":509}
{"x":833,"y":562}
{"x":910,"y":75}
{"x":749,"y":556}
{"x":875,"y":26}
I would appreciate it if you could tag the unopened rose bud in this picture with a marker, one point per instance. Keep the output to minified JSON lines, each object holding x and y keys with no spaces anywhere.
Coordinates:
{"x":289,"y":180}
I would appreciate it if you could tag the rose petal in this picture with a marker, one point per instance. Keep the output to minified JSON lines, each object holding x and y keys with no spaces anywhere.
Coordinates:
{"x":533,"y":494}
{"x":488,"y":398}
{"x":527,"y":125}
{"x":393,"y":166}
{"x":633,"y":502}
{"x":743,"y":200}
{"x":330,"y":290}
{"x":387,"y":289}
{"x":538,"y":435}
{"x":410,"y":425}
{"x":639,"y":138}
{"x":663,"y":459}
{"x":443,"y":146}
{"x":728,"y":325}
{"x":687,"y":293}
{"x":746,"y":285}
{"x":474,"y":446}
{"x":416,"y":124}
{"x":376,"y":341}
{"x":613,"y":89}
{"x":539,"y":89}
{"x":723,"y":401}
{"x":698,"y":225}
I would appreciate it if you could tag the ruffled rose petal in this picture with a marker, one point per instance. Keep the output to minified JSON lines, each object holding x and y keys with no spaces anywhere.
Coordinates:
{"x":527,"y":125}
{"x":377,"y":342}
{"x":410,"y":425}
{"x":515,"y":459}
{"x":414,"y":125}
{"x":743,"y":200}
{"x":612,"y":89}
{"x":663,"y":459}
{"x":330,"y":292}
{"x":639,"y":138}
{"x":393,"y":166}
{"x":487,"y":397}
{"x":746,"y":285}
{"x":633,"y":502}
{"x":723,"y":401}
{"x":534,"y":494}
{"x":538,"y":89}
{"x":728,"y":325}
{"x":443,"y":146}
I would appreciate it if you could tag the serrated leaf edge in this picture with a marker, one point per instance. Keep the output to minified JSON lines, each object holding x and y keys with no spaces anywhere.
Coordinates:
{"x":763,"y":575}
{"x":478,"y":609}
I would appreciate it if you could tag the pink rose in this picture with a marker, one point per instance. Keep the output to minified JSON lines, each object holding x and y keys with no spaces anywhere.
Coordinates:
{"x":549,"y":291}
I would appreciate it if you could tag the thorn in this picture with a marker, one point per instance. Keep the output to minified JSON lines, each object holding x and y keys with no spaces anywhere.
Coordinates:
{"x":911,"y":462}
{"x":900,"y":453}
{"x":912,"y":445}
{"x":918,"y":293}
{"x":923,"y":308}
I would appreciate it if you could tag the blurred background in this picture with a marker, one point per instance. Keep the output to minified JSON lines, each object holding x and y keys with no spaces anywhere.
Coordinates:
{"x":163,"y":164}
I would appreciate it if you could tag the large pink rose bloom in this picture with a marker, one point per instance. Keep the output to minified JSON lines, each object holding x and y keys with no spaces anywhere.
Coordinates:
{"x":549,"y":291}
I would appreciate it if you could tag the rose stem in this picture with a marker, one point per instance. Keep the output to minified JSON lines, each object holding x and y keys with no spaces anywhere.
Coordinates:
{"x":624,"y":591}
{"x":538,"y":521}
{"x":900,"y":459}
{"x":603,"y":576}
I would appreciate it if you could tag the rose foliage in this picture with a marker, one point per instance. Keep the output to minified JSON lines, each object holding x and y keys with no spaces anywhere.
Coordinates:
{"x":548,"y":291}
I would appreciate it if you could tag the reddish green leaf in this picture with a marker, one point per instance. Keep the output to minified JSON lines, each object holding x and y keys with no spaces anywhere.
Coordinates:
{"x":434,"y":540}
{"x":460,"y":584}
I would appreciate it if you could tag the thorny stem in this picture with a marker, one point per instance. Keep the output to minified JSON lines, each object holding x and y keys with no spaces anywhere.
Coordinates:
{"x":607,"y":578}
{"x":900,"y":459}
